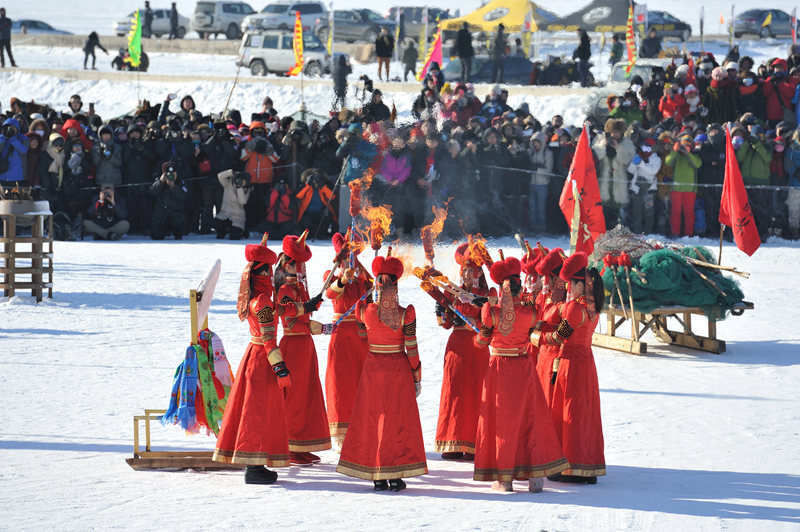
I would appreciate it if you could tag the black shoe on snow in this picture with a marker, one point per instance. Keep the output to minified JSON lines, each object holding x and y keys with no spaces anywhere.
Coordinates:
{"x":381,"y":485}
{"x":574,"y":479}
{"x":555,"y":478}
{"x":452,"y":456}
{"x":259,"y":475}
{"x":397,"y":484}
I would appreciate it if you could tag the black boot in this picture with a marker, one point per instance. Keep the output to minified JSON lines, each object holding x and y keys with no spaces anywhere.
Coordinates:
{"x":397,"y":484}
{"x":381,"y":485}
{"x":221,"y":227}
{"x":555,"y":478}
{"x":452,"y":456}
{"x":259,"y":475}
{"x":236,"y":233}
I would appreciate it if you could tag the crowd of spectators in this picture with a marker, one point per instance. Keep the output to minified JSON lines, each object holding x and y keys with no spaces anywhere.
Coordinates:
{"x":168,"y":170}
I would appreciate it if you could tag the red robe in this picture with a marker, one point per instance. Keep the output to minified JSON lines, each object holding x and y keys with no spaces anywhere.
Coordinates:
{"x":254,"y":424}
{"x":346,"y":354}
{"x":462,"y":380}
{"x":305,"y":406}
{"x":550,"y":316}
{"x":515,"y":438}
{"x":384,"y":440}
{"x":575,"y":396}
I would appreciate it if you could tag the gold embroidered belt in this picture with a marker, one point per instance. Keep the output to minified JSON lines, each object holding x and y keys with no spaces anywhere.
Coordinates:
{"x":256,"y":340}
{"x":380,"y":349}
{"x":506,"y":351}
{"x":297,"y":333}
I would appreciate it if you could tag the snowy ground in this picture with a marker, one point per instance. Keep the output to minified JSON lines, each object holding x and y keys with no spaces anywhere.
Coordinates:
{"x":693,"y":441}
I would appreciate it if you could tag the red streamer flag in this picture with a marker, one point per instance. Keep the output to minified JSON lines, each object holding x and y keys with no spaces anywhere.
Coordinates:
{"x":734,"y":209}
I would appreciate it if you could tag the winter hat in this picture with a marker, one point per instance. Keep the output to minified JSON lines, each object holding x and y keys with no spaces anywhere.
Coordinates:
{"x":532,"y":258}
{"x":779,"y":63}
{"x":295,"y":247}
{"x":730,"y":65}
{"x":574,"y":267}
{"x":503,"y":269}
{"x":690,"y":89}
{"x":682,"y":70}
{"x":551,"y":263}
{"x":260,"y":253}
{"x":339,"y":241}
{"x":719,"y":74}
{"x":387,"y":265}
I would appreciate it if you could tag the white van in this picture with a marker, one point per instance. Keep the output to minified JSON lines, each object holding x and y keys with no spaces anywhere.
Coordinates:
{"x":272,"y":51}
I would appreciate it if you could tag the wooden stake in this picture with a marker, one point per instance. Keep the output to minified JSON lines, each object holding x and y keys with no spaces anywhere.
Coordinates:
{"x":721,"y":232}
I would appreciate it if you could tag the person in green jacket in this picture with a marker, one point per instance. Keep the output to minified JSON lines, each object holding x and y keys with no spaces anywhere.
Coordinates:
{"x":754,"y":160}
{"x":616,"y":50}
{"x":628,"y":109}
{"x":685,"y":164}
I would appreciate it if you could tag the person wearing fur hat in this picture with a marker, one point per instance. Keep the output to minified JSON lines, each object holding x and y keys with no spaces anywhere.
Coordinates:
{"x":643,"y":169}
{"x":614,"y":152}
{"x":551,"y":296}
{"x":254,"y":428}
{"x":515,"y":438}
{"x":306,"y":418}
{"x":384,"y":441}
{"x":464,"y":362}
{"x":574,"y":391}
{"x":348,"y":347}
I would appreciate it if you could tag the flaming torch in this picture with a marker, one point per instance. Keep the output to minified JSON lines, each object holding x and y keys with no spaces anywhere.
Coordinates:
{"x":380,"y":222}
{"x":430,"y":232}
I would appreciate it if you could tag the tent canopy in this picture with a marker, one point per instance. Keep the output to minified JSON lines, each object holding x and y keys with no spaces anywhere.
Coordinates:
{"x":511,"y":13}
{"x":601,"y":16}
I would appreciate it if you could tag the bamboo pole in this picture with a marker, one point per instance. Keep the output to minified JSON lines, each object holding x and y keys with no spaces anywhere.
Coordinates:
{"x":721,"y":232}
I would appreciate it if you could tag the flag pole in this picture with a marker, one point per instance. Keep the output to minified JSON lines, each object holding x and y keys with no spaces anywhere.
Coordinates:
{"x":721,"y":232}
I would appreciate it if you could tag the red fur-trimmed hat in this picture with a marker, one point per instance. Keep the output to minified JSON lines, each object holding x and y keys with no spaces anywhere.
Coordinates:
{"x":387,"y":265}
{"x":339,"y":241}
{"x":260,"y":253}
{"x":550,"y":263}
{"x":461,"y":254}
{"x":503,"y":269}
{"x":532,"y":258}
{"x":296,"y":248}
{"x":574,"y":267}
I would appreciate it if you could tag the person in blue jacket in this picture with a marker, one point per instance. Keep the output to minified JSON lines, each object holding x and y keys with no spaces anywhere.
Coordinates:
{"x":13,"y":147}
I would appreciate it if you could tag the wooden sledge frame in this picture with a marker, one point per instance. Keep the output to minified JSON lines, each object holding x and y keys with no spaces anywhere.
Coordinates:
{"x":657,"y":321}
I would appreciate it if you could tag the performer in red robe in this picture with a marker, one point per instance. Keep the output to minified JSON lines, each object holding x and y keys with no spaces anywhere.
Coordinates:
{"x":532,"y":288}
{"x":384,"y":440}
{"x":574,"y":391}
{"x":254,"y":424}
{"x":348,"y":345}
{"x":305,"y":406}
{"x":465,"y":364}
{"x":553,"y":293}
{"x":515,"y":439}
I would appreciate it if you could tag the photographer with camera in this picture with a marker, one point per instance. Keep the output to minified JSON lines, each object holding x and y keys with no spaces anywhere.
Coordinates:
{"x":375,"y":110}
{"x":13,"y":146}
{"x":279,"y":219}
{"x":313,"y":199}
{"x":106,"y":220}
{"x":139,"y":159}
{"x":297,"y":150}
{"x":259,"y":157}
{"x":170,"y":195}
{"x":107,"y":159}
{"x":230,"y":219}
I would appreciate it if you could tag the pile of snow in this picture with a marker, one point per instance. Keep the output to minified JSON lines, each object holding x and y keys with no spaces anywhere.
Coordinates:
{"x":694,"y":441}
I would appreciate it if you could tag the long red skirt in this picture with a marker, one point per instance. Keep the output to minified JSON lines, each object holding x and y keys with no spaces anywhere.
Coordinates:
{"x":575,"y":409}
{"x":460,"y":402}
{"x":384,"y":440}
{"x":544,"y":369}
{"x":254,"y":424}
{"x":515,"y":439}
{"x":305,"y":407}
{"x":346,"y":354}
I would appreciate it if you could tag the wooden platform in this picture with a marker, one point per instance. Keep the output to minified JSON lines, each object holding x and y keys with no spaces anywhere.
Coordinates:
{"x":34,"y":271}
{"x":147,"y":459}
{"x":657,"y":322}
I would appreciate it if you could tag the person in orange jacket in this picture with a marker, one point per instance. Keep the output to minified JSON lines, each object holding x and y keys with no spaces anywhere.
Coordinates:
{"x":312,"y":200}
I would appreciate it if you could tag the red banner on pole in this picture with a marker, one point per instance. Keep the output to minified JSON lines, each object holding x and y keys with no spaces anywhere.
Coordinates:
{"x":734,"y":209}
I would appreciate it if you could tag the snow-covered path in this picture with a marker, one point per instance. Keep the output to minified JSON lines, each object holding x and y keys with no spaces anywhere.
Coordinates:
{"x":693,"y":441}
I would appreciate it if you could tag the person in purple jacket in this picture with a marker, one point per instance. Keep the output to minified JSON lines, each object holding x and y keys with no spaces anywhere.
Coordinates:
{"x":395,"y":172}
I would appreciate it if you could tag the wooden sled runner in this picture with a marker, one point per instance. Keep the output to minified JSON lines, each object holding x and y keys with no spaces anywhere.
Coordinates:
{"x":657,"y":322}
{"x":147,"y":459}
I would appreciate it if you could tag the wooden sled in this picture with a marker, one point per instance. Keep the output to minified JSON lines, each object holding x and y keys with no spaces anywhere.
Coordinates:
{"x":657,"y":322}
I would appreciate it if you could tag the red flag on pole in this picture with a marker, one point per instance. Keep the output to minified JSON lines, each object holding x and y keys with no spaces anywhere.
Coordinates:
{"x":734,"y":209}
{"x":583,"y":173}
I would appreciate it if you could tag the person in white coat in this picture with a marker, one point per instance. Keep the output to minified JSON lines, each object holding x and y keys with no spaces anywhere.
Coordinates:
{"x":614,"y":151}
{"x":643,"y":169}
{"x":236,"y":190}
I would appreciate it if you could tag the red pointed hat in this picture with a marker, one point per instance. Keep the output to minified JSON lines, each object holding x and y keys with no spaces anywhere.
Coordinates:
{"x":260,"y":253}
{"x":296,"y":248}
{"x":387,"y":265}
{"x":532,"y":258}
{"x":503,"y":269}
{"x":574,"y":267}
{"x":461,"y":254}
{"x":339,"y":241}
{"x":550,"y":262}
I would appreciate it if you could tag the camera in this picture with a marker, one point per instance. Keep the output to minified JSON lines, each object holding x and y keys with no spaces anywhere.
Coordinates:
{"x":170,"y":174}
{"x":9,"y":131}
{"x":241,"y":179}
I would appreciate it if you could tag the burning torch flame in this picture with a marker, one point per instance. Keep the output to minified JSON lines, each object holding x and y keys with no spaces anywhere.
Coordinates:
{"x":356,"y":187}
{"x":477,"y":251}
{"x":429,"y":233}
{"x":380,"y":222}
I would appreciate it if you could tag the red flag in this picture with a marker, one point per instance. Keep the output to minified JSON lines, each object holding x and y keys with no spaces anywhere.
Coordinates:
{"x":434,"y":54}
{"x":734,"y":209}
{"x":691,"y":78}
{"x":582,"y":171}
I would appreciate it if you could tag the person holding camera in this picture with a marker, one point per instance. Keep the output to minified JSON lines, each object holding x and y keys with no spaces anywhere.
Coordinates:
{"x":107,"y":159}
{"x":170,"y":195}
{"x":230,"y":219}
{"x":375,"y":110}
{"x":313,"y":199}
{"x":259,"y":157}
{"x":685,"y":164}
{"x":13,"y":146}
{"x":106,"y":219}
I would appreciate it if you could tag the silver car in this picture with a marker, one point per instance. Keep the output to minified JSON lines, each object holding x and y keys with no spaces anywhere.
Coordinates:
{"x":272,"y":51}
{"x":160,"y":23}
{"x":754,"y":21}
{"x":220,"y":18}
{"x":281,"y":15}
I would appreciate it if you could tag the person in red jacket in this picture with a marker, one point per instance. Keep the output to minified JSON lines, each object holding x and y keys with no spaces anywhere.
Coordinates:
{"x":515,"y":439}
{"x":779,"y":91}
{"x":253,"y":429}
{"x":279,"y":217}
{"x":306,"y":418}
{"x":574,"y":391}
{"x":348,"y":347}
{"x":673,"y":104}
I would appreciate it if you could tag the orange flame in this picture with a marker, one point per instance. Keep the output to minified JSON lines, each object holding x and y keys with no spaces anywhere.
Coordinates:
{"x":477,"y":251}
{"x":404,"y":254}
{"x":356,"y":187}
{"x":429,"y":232}
{"x":380,"y":222}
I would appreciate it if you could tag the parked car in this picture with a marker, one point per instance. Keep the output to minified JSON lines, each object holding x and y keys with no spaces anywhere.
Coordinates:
{"x":272,"y":51}
{"x":752,"y":21}
{"x":30,"y":26}
{"x":160,"y":23}
{"x":353,"y":25}
{"x":281,"y":15}
{"x":414,"y":21}
{"x":217,"y":18}
{"x":517,"y":70}
{"x":668,"y":26}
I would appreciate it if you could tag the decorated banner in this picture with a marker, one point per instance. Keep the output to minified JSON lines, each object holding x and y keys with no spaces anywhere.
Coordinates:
{"x":135,"y":40}
{"x":297,"y":45}
{"x":528,"y":28}
{"x":397,"y":34}
{"x":630,"y":40}
{"x":794,"y":25}
{"x":767,"y":20}
{"x":434,"y":54}
{"x":331,"y":29}
{"x":734,"y":207}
